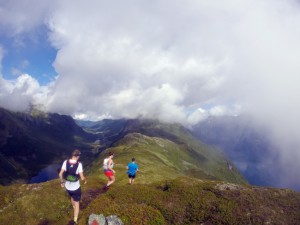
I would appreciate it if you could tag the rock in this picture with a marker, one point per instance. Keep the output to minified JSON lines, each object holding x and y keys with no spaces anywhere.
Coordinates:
{"x":114,"y":220}
{"x":97,"y":220}
{"x":228,"y":186}
{"x":101,"y":220}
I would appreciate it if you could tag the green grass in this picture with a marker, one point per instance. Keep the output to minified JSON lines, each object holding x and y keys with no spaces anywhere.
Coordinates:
{"x":173,"y":187}
{"x":160,"y":158}
{"x":209,"y":159}
{"x":170,"y":201}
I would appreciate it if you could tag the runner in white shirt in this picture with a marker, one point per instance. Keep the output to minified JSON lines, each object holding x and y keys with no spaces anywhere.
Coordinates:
{"x":109,"y":172}
{"x":73,"y":170}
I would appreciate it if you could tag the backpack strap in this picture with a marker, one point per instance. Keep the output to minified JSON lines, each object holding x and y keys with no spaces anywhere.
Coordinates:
{"x":71,"y":171}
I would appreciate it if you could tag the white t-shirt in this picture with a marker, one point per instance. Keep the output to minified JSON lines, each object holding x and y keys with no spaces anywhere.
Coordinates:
{"x":105,"y":164}
{"x":72,"y":186}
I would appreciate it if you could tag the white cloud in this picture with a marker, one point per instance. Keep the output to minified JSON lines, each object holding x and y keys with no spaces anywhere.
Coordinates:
{"x":159,"y":59}
{"x":20,"y":16}
{"x":197,"y":115}
{"x":113,"y":52}
{"x":20,"y":93}
{"x":217,"y":111}
{"x":1,"y":57}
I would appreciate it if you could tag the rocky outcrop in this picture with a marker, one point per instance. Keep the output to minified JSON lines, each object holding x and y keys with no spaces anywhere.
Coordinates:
{"x":102,"y":220}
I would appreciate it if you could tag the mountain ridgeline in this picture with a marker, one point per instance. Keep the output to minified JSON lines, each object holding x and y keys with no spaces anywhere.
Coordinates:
{"x":32,"y":141}
{"x":181,"y":179}
{"x":185,"y":151}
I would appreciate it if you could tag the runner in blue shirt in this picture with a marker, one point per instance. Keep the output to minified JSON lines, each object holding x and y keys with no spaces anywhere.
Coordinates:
{"x":132,"y":168}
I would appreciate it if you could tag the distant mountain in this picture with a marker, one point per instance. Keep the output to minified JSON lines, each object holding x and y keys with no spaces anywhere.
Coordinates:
{"x":246,"y":144}
{"x":211,"y":162}
{"x":31,"y":141}
{"x":108,"y":131}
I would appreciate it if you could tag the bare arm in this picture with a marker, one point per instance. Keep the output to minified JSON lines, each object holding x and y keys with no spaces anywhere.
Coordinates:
{"x":61,"y":177}
{"x":82,"y":177}
{"x":110,"y":162}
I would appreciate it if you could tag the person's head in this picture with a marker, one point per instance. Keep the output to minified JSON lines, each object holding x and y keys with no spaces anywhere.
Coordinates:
{"x":76,"y":153}
{"x":111,"y":154}
{"x":133,"y":159}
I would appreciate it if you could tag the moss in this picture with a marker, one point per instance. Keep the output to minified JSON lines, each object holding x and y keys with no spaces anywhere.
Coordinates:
{"x":179,"y":201}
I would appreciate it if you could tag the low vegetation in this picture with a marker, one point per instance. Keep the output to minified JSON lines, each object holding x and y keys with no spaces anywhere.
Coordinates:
{"x":173,"y":187}
{"x":181,"y":180}
{"x":176,"y":201}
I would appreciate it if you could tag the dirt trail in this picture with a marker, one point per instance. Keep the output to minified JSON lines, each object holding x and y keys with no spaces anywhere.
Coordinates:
{"x":89,"y":195}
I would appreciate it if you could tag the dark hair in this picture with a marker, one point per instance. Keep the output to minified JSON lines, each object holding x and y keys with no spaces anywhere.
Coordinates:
{"x":133,"y":159}
{"x":76,"y":152}
{"x":110,"y":153}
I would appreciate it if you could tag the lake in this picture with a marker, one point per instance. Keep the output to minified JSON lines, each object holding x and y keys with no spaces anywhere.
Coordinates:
{"x":48,"y":173}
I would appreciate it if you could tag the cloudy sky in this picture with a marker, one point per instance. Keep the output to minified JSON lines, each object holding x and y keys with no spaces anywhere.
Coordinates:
{"x":173,"y":60}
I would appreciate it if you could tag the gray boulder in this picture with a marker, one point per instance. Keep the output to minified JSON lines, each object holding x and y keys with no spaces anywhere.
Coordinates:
{"x":113,"y":220}
{"x":97,"y":220}
{"x":101,"y":220}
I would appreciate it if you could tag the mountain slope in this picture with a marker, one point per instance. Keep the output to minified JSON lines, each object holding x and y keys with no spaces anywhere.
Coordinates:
{"x":211,"y":162}
{"x":178,"y":201}
{"x":30,"y":142}
{"x":43,"y":139}
{"x":160,"y":158}
{"x":165,"y":192}
{"x":245,"y":144}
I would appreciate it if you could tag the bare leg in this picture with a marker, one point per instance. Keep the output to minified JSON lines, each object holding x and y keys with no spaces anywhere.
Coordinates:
{"x":76,"y":209}
{"x":73,"y":203}
{"x":111,"y":180}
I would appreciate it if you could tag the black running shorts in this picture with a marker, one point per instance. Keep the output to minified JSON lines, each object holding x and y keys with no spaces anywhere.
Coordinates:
{"x":76,"y":195}
{"x":131,"y":176}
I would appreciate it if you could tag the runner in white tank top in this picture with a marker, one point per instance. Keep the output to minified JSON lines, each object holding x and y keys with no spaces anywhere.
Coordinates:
{"x":108,"y":170}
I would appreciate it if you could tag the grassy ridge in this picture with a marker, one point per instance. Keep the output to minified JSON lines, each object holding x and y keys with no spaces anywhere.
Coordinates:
{"x":32,"y":141}
{"x":165,"y":192}
{"x":192,"y":201}
{"x":160,"y":158}
{"x":178,"y":201}
{"x":179,"y":183}
{"x":209,"y":160}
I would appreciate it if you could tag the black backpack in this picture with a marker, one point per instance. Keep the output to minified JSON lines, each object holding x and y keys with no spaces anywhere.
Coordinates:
{"x":70,"y":173}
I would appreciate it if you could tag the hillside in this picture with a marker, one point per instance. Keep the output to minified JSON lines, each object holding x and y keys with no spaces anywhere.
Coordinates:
{"x":170,"y":159}
{"x":210,"y":161}
{"x":172,"y":188}
{"x":246,"y":144}
{"x":182,"y":180}
{"x":31,"y":141}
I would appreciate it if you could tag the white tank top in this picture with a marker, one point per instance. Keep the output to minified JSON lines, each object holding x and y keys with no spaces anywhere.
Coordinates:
{"x":105,"y":164}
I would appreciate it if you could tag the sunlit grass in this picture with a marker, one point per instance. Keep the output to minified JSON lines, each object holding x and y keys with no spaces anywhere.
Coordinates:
{"x":172,"y":187}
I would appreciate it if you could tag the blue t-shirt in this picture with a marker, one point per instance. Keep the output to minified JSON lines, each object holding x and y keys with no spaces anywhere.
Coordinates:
{"x":132,"y":168}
